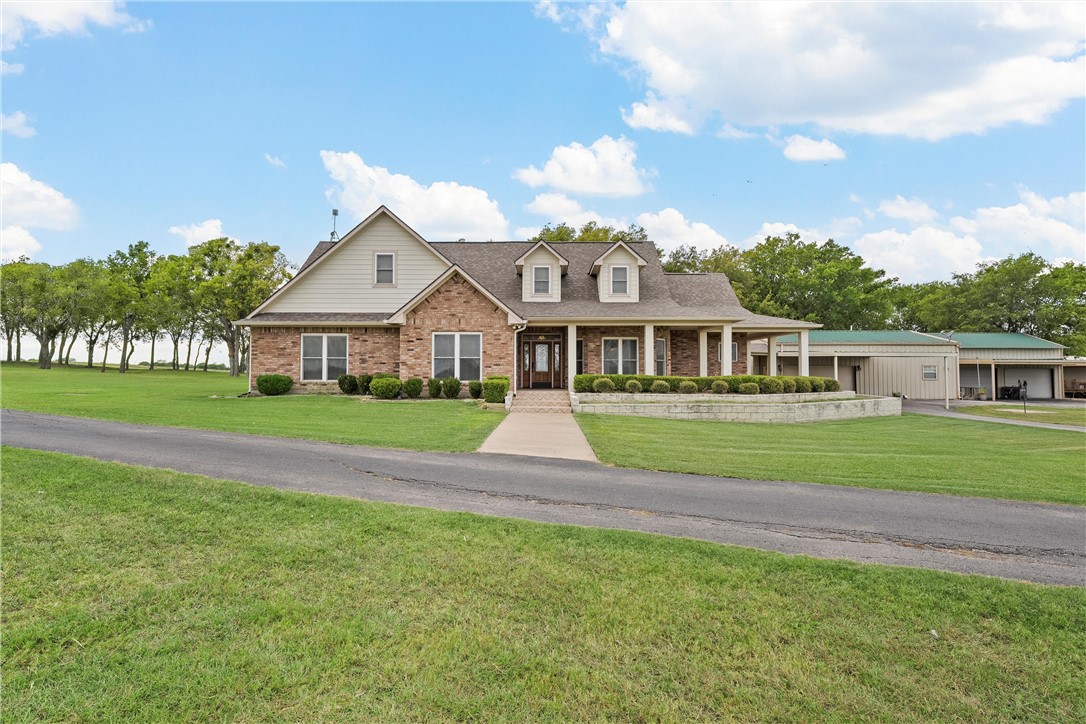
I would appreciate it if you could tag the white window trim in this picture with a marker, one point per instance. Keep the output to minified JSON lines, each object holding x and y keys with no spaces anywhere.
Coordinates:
{"x":720,"y":352}
{"x":394,"y":268}
{"x":637,"y":355}
{"x":612,"y":275}
{"x":656,"y":357}
{"x":324,"y":356}
{"x":547,"y":293}
{"x":456,"y":354}
{"x":934,"y":370}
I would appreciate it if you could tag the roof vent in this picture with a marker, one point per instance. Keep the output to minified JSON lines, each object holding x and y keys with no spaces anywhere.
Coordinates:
{"x":334,"y":237}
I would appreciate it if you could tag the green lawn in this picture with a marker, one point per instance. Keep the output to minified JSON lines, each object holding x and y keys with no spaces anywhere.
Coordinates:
{"x":1034,"y":413}
{"x":911,"y":452}
{"x":138,"y":594}
{"x":209,"y":401}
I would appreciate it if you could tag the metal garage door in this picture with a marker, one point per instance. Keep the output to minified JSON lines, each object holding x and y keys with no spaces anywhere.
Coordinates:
{"x":1039,"y":379}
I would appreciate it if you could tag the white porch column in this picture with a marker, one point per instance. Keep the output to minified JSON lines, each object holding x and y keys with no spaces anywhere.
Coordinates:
{"x":571,"y":355}
{"x":703,"y":353}
{"x":650,"y":351}
{"x":771,"y":358}
{"x":836,"y":376}
{"x":804,"y":353}
{"x":726,"y":349}
{"x":750,"y":358}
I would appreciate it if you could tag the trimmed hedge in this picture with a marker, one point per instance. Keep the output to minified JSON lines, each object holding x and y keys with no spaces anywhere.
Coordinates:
{"x":817,"y":384}
{"x":789,"y":384}
{"x":659,"y":387}
{"x":364,"y":384}
{"x":348,"y":384}
{"x":587,"y":383}
{"x":770,"y":386}
{"x":274,"y":384}
{"x":386,"y":388}
{"x":688,"y":387}
{"x":475,"y":389}
{"x":412,"y":387}
{"x":749,"y":388}
{"x":719,"y":387}
{"x":495,"y":389}
{"x":603,"y":385}
{"x":832,"y":385}
{"x":433,"y":387}
{"x":633,"y":387}
{"x":802,"y":384}
{"x":451,"y":387}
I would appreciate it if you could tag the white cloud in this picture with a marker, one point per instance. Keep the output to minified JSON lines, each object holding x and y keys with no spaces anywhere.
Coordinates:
{"x":55,"y":17}
{"x":1050,"y":227}
{"x":16,"y":125}
{"x":734,"y":134}
{"x":15,"y":241}
{"x":559,"y":208}
{"x":923,"y":254}
{"x":801,"y":148}
{"x":606,"y":168}
{"x":29,"y":203}
{"x":922,"y":70}
{"x":669,"y":229}
{"x":913,"y":210}
{"x":198,"y":233}
{"x":656,"y":116}
{"x":854,"y":198}
{"x":274,"y":161}
{"x":7,"y":68}
{"x":443,"y":210}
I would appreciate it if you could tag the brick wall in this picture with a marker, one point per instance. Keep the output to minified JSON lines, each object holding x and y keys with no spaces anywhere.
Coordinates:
{"x":683,"y":351}
{"x":278,"y":350}
{"x":455,"y":306}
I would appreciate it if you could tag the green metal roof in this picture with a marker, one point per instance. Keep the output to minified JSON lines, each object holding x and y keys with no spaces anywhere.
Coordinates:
{"x":861,"y":336}
{"x":1002,"y":340}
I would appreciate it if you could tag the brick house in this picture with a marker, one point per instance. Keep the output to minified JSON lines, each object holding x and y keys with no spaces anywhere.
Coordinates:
{"x":383,"y":299}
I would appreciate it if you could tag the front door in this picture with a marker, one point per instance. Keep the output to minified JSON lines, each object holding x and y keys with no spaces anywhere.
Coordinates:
{"x":541,"y":362}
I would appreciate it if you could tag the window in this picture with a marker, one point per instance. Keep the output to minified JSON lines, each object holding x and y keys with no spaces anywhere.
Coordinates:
{"x":929,"y":372}
{"x":324,"y":356}
{"x":384,"y":269}
{"x":458,"y":355}
{"x":661,"y":357}
{"x":620,"y":356}
{"x":620,"y":281}
{"x":720,"y":352}
{"x":541,"y":280}
{"x":580,"y":356}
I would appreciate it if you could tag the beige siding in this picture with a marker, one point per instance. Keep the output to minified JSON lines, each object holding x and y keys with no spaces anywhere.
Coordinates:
{"x":619,"y":257}
{"x":541,"y":257}
{"x":345,"y":282}
{"x":887,"y":375}
{"x":1009,"y":354}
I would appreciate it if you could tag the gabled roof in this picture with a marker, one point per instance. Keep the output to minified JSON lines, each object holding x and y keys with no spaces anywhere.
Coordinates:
{"x":326,"y":250}
{"x":1001,"y":340}
{"x":599,"y":260}
{"x":562,"y":261}
{"x":400,"y":315}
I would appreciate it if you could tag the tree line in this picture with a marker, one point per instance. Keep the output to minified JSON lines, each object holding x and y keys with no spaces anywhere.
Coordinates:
{"x":136,"y":295}
{"x":827,"y":283}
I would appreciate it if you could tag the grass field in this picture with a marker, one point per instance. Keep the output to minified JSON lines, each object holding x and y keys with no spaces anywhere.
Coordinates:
{"x":912,"y":452}
{"x":1075,"y":416}
{"x":137,"y":594}
{"x":209,"y":401}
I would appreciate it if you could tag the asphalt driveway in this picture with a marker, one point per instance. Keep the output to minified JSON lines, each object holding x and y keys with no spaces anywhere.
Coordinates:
{"x":1028,"y":541}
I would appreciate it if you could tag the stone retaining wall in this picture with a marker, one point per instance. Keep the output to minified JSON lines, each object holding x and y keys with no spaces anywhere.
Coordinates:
{"x":625,"y":398}
{"x":759,"y":409}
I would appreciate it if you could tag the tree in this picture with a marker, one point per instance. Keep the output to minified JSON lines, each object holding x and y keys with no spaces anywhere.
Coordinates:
{"x":130,"y":270}
{"x":172,"y":286}
{"x":13,"y":290}
{"x":46,"y":308}
{"x":590,"y":231}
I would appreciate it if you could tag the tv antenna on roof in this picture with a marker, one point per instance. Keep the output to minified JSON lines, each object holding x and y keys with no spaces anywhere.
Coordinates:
{"x":335,"y":236}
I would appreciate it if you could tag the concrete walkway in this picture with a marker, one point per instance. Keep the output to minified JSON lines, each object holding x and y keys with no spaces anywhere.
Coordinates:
{"x":935,"y":408}
{"x":539,"y":434}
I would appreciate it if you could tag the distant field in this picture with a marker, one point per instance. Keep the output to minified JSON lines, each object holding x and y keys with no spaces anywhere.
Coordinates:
{"x":209,"y":401}
{"x":133,"y":594}
{"x":1075,"y":416}
{"x":912,"y":452}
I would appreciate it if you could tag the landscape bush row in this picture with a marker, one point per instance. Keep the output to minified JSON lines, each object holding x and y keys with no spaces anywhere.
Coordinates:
{"x":728,"y":384}
{"x":387,"y":386}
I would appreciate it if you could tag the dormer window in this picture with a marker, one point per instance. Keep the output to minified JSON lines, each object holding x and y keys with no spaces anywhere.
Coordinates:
{"x":384,"y":269}
{"x":541,"y":280}
{"x":620,"y":280}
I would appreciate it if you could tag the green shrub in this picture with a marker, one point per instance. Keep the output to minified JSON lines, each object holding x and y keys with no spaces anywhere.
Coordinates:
{"x":384,"y":375}
{"x":660,"y":387}
{"x":475,"y":389}
{"x":688,"y":387}
{"x":633,"y":387}
{"x":749,"y":388}
{"x":433,"y":387}
{"x":788,"y":384}
{"x":770,"y":386}
{"x":495,"y":389}
{"x":386,"y":388}
{"x":817,"y":384}
{"x":832,"y":385}
{"x":412,"y":387}
{"x":451,"y":387}
{"x":603,"y":384}
{"x":364,"y":384}
{"x":720,"y":387}
{"x":802,"y":384}
{"x":348,"y":384}
{"x":274,"y":384}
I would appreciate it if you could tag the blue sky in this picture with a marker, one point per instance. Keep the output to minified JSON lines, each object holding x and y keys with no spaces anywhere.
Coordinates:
{"x":927,"y":137}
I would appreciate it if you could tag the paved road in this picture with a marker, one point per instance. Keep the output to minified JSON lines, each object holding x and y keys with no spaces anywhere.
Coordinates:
{"x":1033,"y":542}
